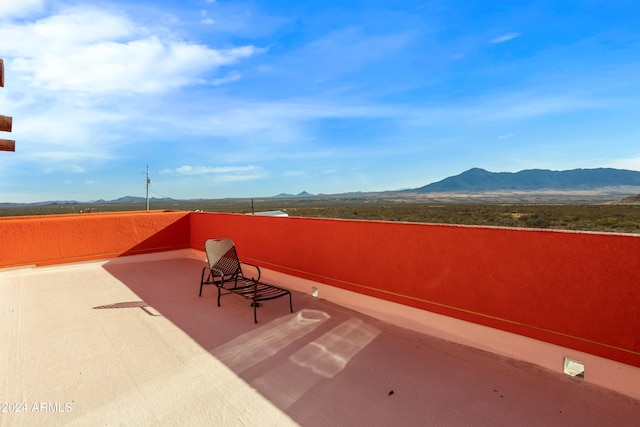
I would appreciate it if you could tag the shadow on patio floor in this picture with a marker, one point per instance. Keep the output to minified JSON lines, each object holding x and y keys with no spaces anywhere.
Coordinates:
{"x":327,"y":365}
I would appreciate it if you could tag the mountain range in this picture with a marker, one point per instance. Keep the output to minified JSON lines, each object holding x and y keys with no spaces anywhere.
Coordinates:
{"x":477,"y":180}
{"x":121,"y":200}
{"x":480,"y":180}
{"x":474,"y":180}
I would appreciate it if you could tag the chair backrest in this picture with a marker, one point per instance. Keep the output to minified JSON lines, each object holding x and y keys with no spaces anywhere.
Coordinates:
{"x":222,"y":255}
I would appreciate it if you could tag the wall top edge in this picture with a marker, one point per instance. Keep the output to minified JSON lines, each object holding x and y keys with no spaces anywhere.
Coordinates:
{"x":424,"y":224}
{"x":290,"y":218}
{"x":91,"y":214}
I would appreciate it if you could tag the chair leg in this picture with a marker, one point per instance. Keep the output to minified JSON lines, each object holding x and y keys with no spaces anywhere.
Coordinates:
{"x":255,"y":314}
{"x":290,"y":303}
{"x":218,"y":295}
{"x":202,"y":281}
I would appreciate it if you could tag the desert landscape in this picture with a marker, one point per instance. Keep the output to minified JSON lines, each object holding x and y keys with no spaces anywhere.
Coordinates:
{"x":613,"y":210}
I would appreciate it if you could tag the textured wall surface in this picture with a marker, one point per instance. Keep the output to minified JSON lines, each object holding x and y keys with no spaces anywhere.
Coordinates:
{"x":577,"y":290}
{"x":57,"y":239}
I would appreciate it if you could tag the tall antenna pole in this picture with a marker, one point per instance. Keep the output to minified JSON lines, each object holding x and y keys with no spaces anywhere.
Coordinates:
{"x":148,"y":182}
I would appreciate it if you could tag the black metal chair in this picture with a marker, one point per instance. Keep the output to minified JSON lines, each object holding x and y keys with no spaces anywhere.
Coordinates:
{"x":224,"y":270}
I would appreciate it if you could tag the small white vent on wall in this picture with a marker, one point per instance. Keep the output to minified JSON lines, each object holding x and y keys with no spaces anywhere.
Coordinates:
{"x":573,"y":368}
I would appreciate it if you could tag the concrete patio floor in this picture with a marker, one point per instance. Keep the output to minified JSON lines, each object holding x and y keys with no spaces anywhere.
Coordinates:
{"x":129,"y":342}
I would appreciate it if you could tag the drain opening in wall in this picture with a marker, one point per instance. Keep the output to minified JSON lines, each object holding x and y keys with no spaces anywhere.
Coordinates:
{"x":573,"y":368}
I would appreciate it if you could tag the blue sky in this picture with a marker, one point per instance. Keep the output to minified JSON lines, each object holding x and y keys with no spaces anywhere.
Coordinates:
{"x":251,"y":99}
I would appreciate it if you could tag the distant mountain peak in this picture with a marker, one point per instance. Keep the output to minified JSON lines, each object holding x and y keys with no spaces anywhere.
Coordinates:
{"x":301,"y":194}
{"x":476,"y":170}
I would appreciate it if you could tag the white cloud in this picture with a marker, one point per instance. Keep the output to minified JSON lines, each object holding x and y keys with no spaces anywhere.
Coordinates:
{"x":265,"y":128}
{"x":519,"y":106}
{"x":208,"y":170}
{"x":79,"y":82}
{"x":65,"y":132}
{"x":19,"y":8}
{"x":97,"y":51}
{"x":504,"y":38}
{"x":218,"y":174}
{"x":205,"y":20}
{"x":506,"y":136}
{"x":230,"y":77}
{"x":69,"y":168}
{"x":502,"y":107}
{"x":339,"y":53}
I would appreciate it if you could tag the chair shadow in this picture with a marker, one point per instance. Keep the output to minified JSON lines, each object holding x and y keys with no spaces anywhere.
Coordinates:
{"x":130,"y":304}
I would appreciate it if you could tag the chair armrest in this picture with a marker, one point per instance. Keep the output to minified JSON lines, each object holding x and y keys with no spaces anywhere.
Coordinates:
{"x":215,"y":272}
{"x":254,"y":266}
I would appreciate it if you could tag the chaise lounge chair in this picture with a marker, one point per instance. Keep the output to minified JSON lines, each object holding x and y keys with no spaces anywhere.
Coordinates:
{"x":224,"y":270}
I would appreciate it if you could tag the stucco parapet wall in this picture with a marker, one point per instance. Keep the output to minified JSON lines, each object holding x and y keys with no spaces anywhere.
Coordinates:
{"x":58,"y":239}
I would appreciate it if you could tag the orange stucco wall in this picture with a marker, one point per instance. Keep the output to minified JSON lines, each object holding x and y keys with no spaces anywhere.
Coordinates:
{"x":56,"y":239}
{"x":578,"y":290}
